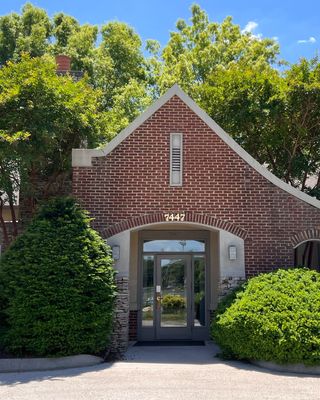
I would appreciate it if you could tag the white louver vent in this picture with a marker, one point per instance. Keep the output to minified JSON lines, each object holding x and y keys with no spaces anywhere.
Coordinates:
{"x":176,"y":159}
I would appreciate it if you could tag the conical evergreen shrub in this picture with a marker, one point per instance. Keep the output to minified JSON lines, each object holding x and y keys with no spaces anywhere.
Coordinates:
{"x":57,"y":286}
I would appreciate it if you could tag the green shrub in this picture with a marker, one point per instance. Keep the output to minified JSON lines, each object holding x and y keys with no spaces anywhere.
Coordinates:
{"x":275,"y":317}
{"x":173,"y":302}
{"x":57,"y":286}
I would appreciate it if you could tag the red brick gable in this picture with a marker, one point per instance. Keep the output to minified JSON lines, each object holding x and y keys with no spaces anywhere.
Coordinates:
{"x":130,"y":186}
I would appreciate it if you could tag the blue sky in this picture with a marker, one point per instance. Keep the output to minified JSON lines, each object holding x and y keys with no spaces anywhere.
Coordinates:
{"x":295,"y":24}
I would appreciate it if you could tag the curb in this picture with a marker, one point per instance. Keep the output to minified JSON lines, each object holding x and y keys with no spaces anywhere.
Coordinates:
{"x":47,"y":364}
{"x":291,"y":368}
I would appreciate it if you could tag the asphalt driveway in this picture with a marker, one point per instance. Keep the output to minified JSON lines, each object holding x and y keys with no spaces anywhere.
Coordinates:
{"x":161,"y":373}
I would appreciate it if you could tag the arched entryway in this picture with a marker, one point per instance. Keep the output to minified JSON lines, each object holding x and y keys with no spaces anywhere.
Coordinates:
{"x":307,"y":254}
{"x":177,"y":272}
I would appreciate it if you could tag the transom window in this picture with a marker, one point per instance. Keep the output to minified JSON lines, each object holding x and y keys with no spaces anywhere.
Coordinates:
{"x":174,"y":246}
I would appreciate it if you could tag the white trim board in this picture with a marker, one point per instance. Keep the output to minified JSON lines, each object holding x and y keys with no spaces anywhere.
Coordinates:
{"x":83,"y":157}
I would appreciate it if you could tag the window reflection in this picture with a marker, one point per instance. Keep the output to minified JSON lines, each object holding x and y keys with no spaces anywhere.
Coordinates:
{"x":174,"y":292}
{"x":199,"y":280}
{"x":148,"y":291}
{"x":174,"y":246}
{"x":308,"y":255}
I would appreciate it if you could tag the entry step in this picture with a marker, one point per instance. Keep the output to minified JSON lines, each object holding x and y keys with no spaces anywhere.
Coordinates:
{"x":171,"y":343}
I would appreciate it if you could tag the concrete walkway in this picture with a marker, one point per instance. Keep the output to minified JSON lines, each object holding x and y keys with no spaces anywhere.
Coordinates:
{"x":151,"y":373}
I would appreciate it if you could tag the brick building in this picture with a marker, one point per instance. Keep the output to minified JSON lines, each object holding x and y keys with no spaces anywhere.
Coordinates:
{"x":188,"y":214}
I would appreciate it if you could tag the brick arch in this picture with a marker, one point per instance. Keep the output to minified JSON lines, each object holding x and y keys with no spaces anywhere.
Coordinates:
{"x":201,"y":219}
{"x":308,"y":234}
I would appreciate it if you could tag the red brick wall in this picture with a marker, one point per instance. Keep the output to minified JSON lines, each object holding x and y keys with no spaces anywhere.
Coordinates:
{"x":133,"y":181}
{"x":133,"y":325}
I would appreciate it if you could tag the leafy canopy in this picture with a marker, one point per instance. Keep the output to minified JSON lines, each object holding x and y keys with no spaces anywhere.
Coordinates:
{"x":42,"y":117}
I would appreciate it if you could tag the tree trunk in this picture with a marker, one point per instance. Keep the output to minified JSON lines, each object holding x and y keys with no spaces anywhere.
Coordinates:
{"x":6,"y":240}
{"x":13,"y":218}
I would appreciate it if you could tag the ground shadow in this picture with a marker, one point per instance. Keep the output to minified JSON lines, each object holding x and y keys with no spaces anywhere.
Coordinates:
{"x":195,"y":355}
{"x":18,"y":378}
{"x":202,"y":355}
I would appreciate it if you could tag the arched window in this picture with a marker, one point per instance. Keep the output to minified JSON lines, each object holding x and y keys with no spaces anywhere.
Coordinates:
{"x":307,"y":254}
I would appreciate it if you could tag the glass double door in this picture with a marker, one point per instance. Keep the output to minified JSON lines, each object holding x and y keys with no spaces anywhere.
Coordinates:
{"x":173,"y":296}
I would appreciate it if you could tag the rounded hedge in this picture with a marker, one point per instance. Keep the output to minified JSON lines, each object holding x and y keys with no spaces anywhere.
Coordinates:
{"x":57,"y":286}
{"x":273,"y":317}
{"x":173,"y":302}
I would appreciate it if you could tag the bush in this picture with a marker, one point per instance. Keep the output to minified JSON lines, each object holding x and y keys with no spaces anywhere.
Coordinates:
{"x":57,"y":286}
{"x":274,"y":317}
{"x":173,"y":302}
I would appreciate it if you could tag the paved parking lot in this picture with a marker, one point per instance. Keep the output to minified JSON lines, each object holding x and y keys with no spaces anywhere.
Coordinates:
{"x":161,"y":373}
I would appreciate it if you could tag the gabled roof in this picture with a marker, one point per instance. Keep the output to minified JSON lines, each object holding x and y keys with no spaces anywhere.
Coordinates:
{"x":83,"y":157}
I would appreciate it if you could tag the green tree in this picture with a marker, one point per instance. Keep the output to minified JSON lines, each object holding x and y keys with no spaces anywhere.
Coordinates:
{"x":119,"y":62}
{"x":10,"y":28}
{"x":81,"y":48}
{"x":57,"y":286}
{"x":123,"y":45}
{"x":64,"y":26}
{"x":57,"y":113}
{"x":116,"y":65}
{"x":246,"y":101}
{"x":194,"y":51}
{"x":128,"y":102}
{"x":274,"y":116}
{"x":25,"y":33}
{"x":299,"y":150}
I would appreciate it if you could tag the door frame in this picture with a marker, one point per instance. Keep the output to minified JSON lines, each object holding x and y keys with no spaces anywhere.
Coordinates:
{"x":197,"y":333}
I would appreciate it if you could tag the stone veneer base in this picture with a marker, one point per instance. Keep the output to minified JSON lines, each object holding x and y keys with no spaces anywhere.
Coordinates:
{"x":120,"y":335}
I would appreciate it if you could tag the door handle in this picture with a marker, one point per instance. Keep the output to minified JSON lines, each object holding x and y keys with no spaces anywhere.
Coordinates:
{"x":159,"y":298}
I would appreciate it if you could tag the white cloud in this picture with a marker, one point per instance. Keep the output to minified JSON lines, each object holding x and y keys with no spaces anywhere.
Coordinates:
{"x":258,"y":36}
{"x":250,"y":27}
{"x":310,"y":40}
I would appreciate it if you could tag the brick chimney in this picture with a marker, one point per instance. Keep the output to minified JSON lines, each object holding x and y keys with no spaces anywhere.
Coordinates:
{"x":63,"y":63}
